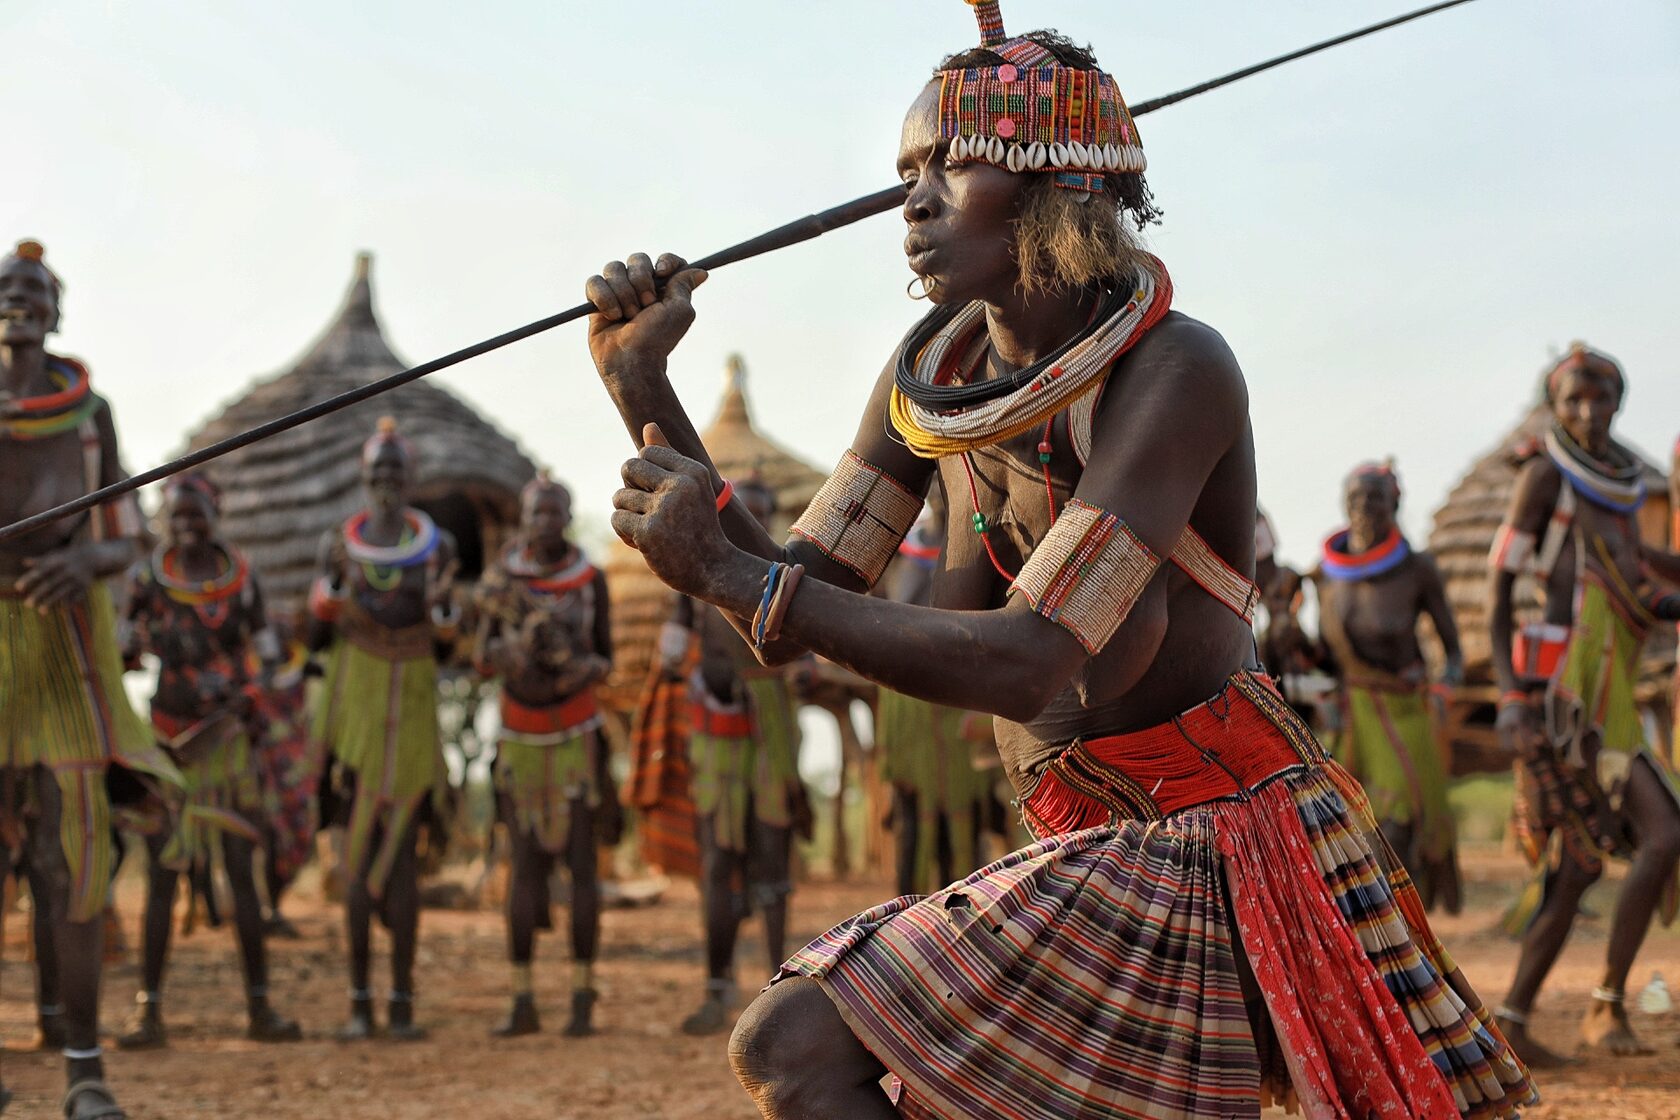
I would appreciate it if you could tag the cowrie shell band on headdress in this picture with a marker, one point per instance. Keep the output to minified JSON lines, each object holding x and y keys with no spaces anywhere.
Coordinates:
{"x":1031,"y":113}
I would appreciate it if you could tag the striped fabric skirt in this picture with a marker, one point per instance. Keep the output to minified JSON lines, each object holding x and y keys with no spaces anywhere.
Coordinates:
{"x":1097,"y":972}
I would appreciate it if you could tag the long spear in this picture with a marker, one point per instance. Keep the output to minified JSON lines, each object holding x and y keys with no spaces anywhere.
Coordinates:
{"x":803,"y":229}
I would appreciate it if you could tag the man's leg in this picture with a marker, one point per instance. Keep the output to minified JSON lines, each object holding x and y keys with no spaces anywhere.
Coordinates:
{"x":944,"y":851}
{"x":586,"y":915}
{"x":49,"y":1005}
{"x":796,"y":1057}
{"x":906,"y":829}
{"x":275,"y":884}
{"x":1401,"y":835}
{"x":358,"y":922}
{"x":721,"y":911}
{"x":527,"y":894}
{"x":155,"y":928}
{"x":402,"y":916}
{"x":80,"y":956}
{"x":1540,"y":948}
{"x":266,"y":1025}
{"x":1650,"y":809}
{"x":770,"y":878}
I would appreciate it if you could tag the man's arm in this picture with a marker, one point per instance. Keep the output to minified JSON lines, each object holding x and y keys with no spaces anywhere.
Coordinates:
{"x":66,"y":573}
{"x":1515,"y":545}
{"x":1158,"y":440}
{"x":1440,"y":613}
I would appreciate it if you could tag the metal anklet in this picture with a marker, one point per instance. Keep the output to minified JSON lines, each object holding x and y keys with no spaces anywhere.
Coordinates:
{"x":74,"y":1055}
{"x":401,"y":997}
{"x":146,"y":999}
{"x":1608,"y":995}
{"x":1510,"y":1016}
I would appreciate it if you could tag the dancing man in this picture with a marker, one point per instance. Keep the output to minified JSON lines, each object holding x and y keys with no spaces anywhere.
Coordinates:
{"x":544,"y":630}
{"x":195,"y":605}
{"x":1210,"y":917}
{"x":64,"y":718}
{"x":1372,"y":591}
{"x":1588,"y":784}
{"x":383,"y":602}
{"x":744,"y":749}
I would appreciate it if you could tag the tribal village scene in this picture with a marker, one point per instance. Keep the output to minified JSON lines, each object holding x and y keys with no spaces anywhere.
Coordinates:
{"x":954,"y":560}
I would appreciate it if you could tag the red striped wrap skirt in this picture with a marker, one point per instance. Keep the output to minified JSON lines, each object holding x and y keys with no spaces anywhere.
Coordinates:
{"x":1095,"y":973}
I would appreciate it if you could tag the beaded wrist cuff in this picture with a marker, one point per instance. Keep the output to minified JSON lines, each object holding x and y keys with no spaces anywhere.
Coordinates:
{"x":1087,"y":574}
{"x":859,"y":517}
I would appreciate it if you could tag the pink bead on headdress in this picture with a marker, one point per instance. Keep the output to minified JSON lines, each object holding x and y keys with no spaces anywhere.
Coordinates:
{"x":1032,"y":113}
{"x":36,"y":253}
{"x":1582,"y":356}
{"x":386,"y":434}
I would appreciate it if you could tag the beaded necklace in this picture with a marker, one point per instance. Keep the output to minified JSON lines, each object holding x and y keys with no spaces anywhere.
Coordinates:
{"x":1384,"y":556}
{"x":982,"y":526}
{"x":210,"y":599}
{"x":571,"y":573}
{"x":1617,"y":486}
{"x":383,"y":565}
{"x":64,"y":409}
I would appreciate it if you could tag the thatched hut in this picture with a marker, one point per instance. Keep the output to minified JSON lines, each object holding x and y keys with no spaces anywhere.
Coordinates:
{"x":639,"y":601}
{"x":281,"y":494}
{"x":1463,"y":533}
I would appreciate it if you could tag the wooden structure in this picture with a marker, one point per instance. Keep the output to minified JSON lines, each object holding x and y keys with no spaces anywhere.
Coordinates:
{"x":1462,"y":535}
{"x":281,"y":494}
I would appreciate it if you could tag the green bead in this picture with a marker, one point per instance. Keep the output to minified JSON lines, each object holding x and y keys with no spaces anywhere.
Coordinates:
{"x":979,"y":523}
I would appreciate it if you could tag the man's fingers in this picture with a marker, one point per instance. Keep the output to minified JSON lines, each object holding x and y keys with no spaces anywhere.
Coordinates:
{"x":598,"y":292}
{"x":633,"y":499}
{"x":617,"y":277}
{"x":654,"y":436}
{"x":675,"y":462}
{"x":643,"y":474}
{"x":669,"y":264}
{"x":640,"y":270}
{"x":626,"y":524}
{"x":682,"y":285}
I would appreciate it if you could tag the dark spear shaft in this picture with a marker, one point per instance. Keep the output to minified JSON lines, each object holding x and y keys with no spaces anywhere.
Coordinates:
{"x":804,"y":229}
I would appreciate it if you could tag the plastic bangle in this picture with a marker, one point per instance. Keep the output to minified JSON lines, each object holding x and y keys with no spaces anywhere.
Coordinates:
{"x":783,"y":600}
{"x":725,"y":494}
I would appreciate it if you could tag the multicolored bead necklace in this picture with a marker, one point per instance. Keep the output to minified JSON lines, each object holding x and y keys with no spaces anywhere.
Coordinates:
{"x":210,"y":599}
{"x":1345,"y":567}
{"x":63,"y":410}
{"x":573,"y":572}
{"x":383,"y":565}
{"x":982,"y":525}
{"x":1618,"y":486}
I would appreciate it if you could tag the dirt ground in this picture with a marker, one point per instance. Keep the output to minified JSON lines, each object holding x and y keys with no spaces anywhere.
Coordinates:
{"x":640,"y":1065}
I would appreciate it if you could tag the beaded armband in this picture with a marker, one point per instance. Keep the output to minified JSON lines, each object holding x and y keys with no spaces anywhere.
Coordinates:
{"x":1087,"y":573}
{"x":859,"y":517}
{"x":1512,"y":551}
{"x":326,"y":602}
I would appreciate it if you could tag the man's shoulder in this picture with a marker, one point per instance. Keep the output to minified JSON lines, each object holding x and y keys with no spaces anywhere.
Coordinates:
{"x":1183,"y":353}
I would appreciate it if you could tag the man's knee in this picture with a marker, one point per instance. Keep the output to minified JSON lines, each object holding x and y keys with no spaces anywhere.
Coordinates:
{"x":772,"y":1049}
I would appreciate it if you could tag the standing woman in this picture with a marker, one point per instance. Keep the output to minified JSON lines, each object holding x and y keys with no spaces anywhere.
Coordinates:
{"x":195,"y":606}
{"x":1210,"y":917}
{"x":545,"y":632}
{"x":382,"y":601}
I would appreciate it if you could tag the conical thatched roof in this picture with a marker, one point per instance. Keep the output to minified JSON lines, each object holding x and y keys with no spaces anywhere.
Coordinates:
{"x":281,"y":494}
{"x":639,"y":601}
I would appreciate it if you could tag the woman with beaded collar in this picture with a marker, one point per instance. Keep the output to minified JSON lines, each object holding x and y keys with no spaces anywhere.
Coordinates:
{"x":1588,"y":783}
{"x":196,"y":606}
{"x":1210,"y":917}
{"x":65,"y":721}
{"x":383,"y":602}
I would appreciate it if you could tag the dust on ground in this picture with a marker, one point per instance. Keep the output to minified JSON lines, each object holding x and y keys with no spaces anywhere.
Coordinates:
{"x":640,"y":1064}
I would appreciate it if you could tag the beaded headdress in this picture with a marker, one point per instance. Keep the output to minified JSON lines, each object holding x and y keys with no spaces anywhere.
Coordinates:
{"x":1582,"y":356}
{"x":386,"y":433}
{"x":1033,"y":113}
{"x":194,"y":483}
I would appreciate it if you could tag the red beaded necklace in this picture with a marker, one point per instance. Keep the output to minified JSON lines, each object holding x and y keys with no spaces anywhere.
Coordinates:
{"x":981,"y":525}
{"x":210,"y":599}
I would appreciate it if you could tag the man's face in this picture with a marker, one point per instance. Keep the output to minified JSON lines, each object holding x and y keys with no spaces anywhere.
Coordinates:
{"x":1584,"y":402}
{"x":961,"y":235}
{"x":1372,"y":503}
{"x":545,"y":517}
{"x":28,"y":307}
{"x":190,"y":521}
{"x":385,"y":476}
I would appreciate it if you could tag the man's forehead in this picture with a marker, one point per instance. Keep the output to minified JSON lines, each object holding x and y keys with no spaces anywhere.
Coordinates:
{"x":17,"y":267}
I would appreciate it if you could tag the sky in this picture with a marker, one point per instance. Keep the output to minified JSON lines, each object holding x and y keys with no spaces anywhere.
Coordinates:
{"x":1394,"y":236}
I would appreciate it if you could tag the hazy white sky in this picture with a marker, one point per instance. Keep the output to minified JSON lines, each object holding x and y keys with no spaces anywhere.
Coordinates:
{"x":1393,"y":236}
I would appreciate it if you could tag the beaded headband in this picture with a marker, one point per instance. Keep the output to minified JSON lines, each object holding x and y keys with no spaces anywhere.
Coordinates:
{"x":386,"y":434}
{"x":194,"y":483}
{"x":1032,"y":113}
{"x":1584,"y":357}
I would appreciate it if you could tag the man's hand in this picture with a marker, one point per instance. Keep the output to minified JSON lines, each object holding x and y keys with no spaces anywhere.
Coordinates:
{"x":636,"y":326}
{"x":56,"y":578}
{"x":1519,"y":730}
{"x":667,"y":512}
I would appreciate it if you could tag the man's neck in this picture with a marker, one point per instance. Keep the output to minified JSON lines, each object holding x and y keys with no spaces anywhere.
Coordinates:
{"x":201,"y":559}
{"x":386,"y":523}
{"x":1026,"y":329}
{"x":23,"y":370}
{"x":550,"y":555}
{"x":1363,"y":538}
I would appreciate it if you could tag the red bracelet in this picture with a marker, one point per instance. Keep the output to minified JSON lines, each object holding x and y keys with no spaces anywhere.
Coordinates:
{"x":725,"y":494}
{"x":1515,"y":696}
